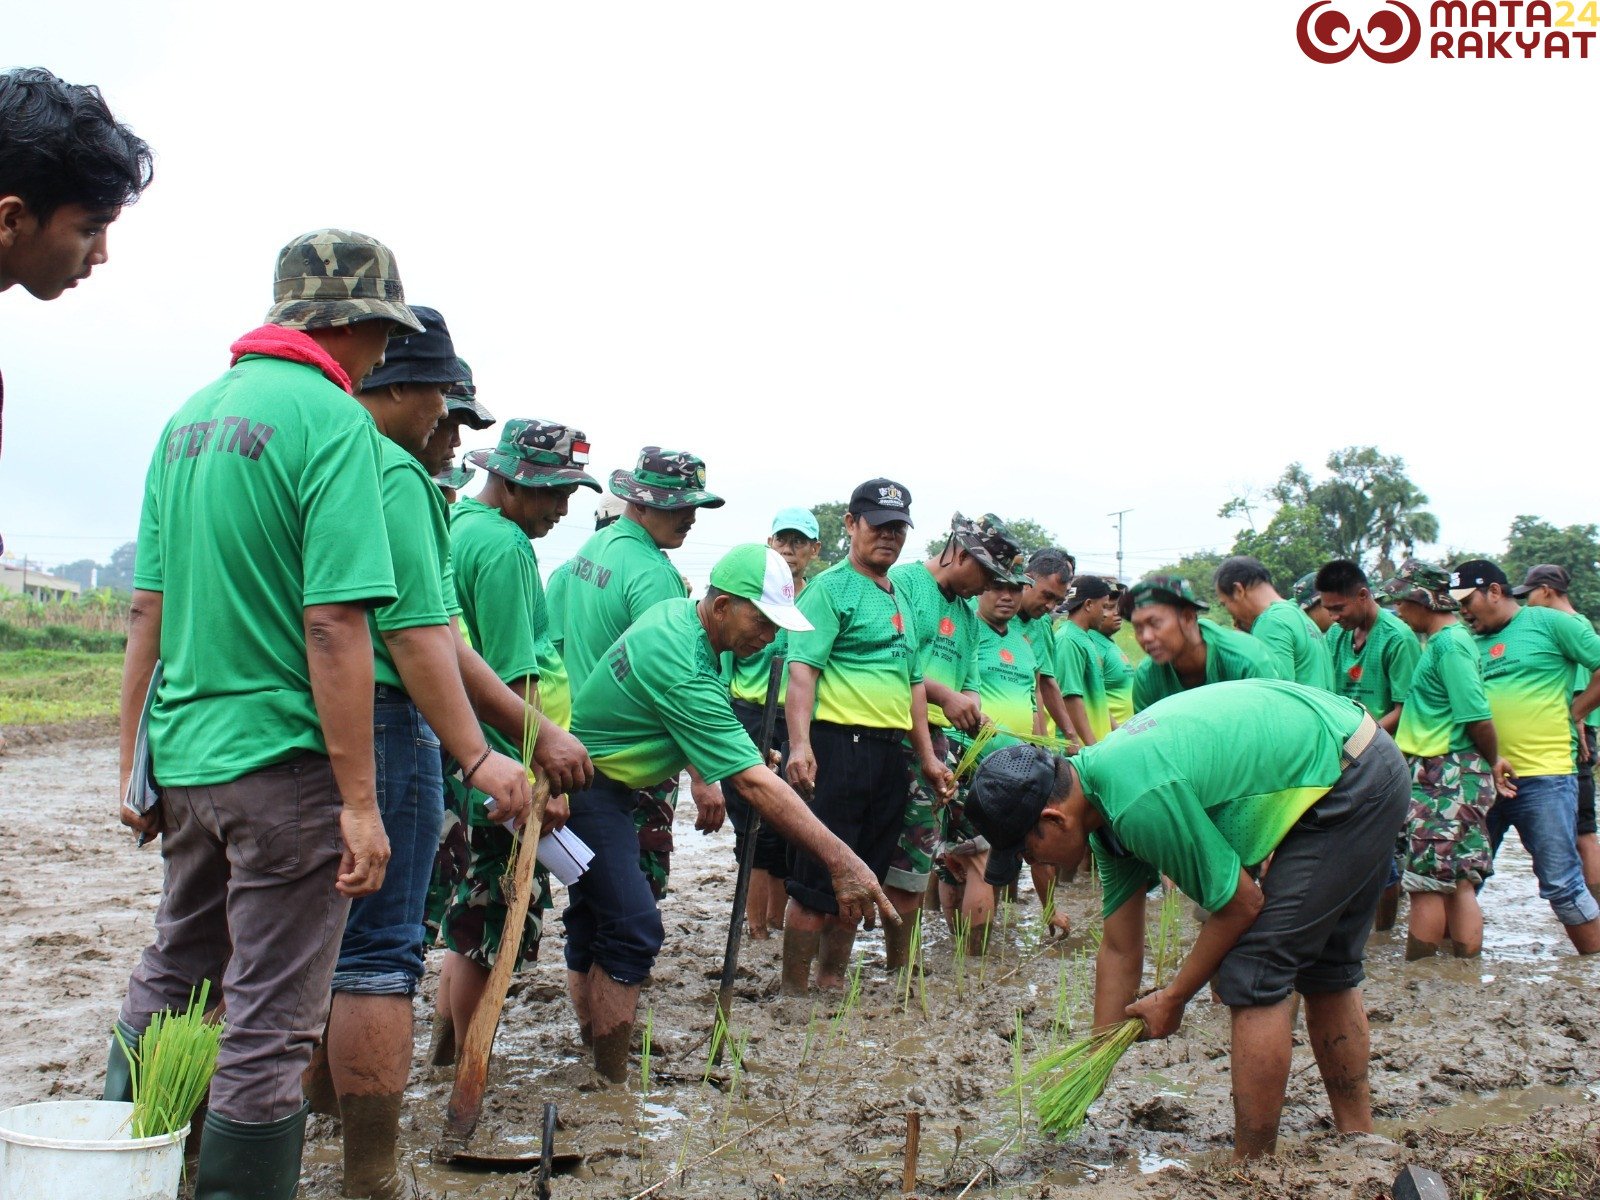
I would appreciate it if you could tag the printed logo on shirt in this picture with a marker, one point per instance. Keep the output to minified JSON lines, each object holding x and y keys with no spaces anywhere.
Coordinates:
{"x":238,"y":436}
{"x":898,"y":622}
{"x":1355,"y":673}
{"x":586,"y":570}
{"x":1007,"y":657}
{"x":1497,"y":650}
{"x":618,"y":662}
{"x":947,"y":627}
{"x":1139,"y":725}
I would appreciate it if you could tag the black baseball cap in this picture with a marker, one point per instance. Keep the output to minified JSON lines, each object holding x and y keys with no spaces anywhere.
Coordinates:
{"x":1473,"y":574}
{"x":1008,"y":793}
{"x":879,"y":501}
{"x":1544,"y":575}
{"x":1085,"y":588}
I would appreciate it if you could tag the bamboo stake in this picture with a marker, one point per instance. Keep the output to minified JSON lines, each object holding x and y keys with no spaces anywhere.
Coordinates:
{"x":908,"y":1176}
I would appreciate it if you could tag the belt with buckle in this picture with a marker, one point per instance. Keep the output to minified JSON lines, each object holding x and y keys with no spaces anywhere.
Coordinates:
{"x":1358,"y":742}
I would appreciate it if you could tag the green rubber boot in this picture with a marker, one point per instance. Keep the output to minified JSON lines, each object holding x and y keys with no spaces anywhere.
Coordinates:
{"x":119,"y":1071}
{"x":241,"y":1161}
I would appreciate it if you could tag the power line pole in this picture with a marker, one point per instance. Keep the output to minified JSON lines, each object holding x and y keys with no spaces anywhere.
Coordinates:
{"x":1119,"y":514}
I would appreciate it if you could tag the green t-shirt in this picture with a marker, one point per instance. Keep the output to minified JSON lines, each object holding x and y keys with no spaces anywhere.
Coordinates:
{"x":1295,"y":643}
{"x":659,"y":702}
{"x":751,"y":675}
{"x":261,"y":500}
{"x":1229,"y":655}
{"x":1446,"y":696}
{"x":862,"y":643}
{"x":555,"y":604}
{"x":1380,"y":675}
{"x":555,"y":689}
{"x":1528,"y":668}
{"x":1581,"y":678}
{"x":1118,"y":673}
{"x":1040,"y":632}
{"x":1007,"y":684}
{"x":947,"y":633}
{"x":416,"y":518}
{"x":1209,"y":781}
{"x":1079,"y":673}
{"x":618,"y":576}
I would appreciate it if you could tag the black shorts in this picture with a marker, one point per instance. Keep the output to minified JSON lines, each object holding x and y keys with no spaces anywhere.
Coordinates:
{"x":772,"y":852}
{"x":1322,"y":888}
{"x":1586,"y":823}
{"x":861,"y":798}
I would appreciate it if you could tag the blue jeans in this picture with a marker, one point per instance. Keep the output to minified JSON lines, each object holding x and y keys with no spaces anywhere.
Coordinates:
{"x":383,"y":937}
{"x":612,"y":919}
{"x":1545,"y":814}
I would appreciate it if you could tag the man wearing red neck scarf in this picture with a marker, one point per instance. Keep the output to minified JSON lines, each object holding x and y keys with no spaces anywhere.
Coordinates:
{"x":261,"y":548}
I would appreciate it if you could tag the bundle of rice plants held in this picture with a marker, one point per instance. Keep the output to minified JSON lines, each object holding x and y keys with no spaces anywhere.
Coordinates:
{"x":1079,"y":1072}
{"x":172,"y":1067}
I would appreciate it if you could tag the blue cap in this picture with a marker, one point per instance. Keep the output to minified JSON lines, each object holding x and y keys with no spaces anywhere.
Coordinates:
{"x":801,"y":520}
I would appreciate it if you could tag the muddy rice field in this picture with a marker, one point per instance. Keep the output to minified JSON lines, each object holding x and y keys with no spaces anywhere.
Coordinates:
{"x":1482,"y":1070}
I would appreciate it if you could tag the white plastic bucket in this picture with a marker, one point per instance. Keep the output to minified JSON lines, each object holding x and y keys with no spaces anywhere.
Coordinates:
{"x":77,"y":1149}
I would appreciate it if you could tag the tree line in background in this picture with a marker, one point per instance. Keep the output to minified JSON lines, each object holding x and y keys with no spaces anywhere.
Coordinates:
{"x":117,"y":575}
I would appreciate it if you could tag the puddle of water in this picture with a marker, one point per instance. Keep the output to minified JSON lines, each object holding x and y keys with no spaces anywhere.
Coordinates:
{"x":1492,"y":1108}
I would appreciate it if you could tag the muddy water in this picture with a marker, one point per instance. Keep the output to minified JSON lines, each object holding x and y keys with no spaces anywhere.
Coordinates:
{"x":818,"y":1106}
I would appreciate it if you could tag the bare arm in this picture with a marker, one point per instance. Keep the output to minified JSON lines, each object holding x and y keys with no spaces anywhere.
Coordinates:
{"x":854,"y":885}
{"x":1487,"y":742}
{"x":1078,"y":714}
{"x":339,"y":661}
{"x":1162,"y":1011}
{"x":1586,"y":701}
{"x":1390,"y":721}
{"x":1051,"y":700}
{"x":138,"y":664}
{"x":802,"y":698}
{"x":1120,"y":964}
{"x":961,"y":709}
{"x":934,"y":769}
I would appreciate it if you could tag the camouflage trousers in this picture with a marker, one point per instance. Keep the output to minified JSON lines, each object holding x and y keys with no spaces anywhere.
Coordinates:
{"x":1447,"y":837}
{"x":467,"y":908}
{"x":919,"y":839}
{"x":958,"y":838}
{"x":653,"y":811}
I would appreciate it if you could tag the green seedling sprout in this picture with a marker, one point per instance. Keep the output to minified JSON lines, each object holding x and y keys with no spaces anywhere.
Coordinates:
{"x":172,"y":1066}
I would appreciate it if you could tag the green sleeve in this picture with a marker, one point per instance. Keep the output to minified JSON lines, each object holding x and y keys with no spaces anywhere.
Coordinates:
{"x":1122,"y":876}
{"x":1256,"y":662}
{"x":1145,"y":692}
{"x":1071,"y":665}
{"x":555,"y":607}
{"x":1170,"y":829}
{"x":414,"y":552}
{"x":506,"y":593}
{"x":646,"y":589}
{"x":1042,"y":641}
{"x":1278,"y":641}
{"x":814,"y":646}
{"x":1579,"y":642}
{"x":1401,"y":661}
{"x":339,"y":491}
{"x":147,"y":568}
{"x":1463,"y":683}
{"x":972,"y":679}
{"x":693,"y":706}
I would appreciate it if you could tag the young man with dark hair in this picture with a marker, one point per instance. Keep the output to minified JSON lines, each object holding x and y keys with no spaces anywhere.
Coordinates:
{"x":1373,"y":652}
{"x":1200,"y":788}
{"x":1448,"y":736}
{"x":857,"y":725}
{"x":1530,"y":657}
{"x":67,"y":169}
{"x":658,"y":703}
{"x":261,"y":551}
{"x":1186,"y":650}
{"x":794,"y":538}
{"x":1546,"y":586}
{"x":1245,"y":589}
{"x":1049,"y":574}
{"x":1079,"y":673}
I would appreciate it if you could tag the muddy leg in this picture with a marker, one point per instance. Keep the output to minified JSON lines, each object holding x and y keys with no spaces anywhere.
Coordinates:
{"x":317,"y":1082}
{"x":1262,"y":1044}
{"x":1465,"y":921}
{"x":612,"y":1007}
{"x":1585,"y":937}
{"x":1589,"y":855}
{"x":578,"y":989}
{"x":897,"y":938}
{"x":1426,"y":925}
{"x":1337,"y":1023}
{"x":833,"y":959}
{"x":442,"y":1044}
{"x":369,"y":1055}
{"x":1388,"y":908}
{"x":756,"y":904}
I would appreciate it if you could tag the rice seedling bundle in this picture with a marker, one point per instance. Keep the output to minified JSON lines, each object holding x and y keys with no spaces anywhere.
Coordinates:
{"x":1079,"y":1073}
{"x":172,"y":1067}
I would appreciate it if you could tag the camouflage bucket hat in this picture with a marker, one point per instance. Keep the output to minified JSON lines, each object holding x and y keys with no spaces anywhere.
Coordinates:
{"x":455,"y":478}
{"x":462,"y":397}
{"x":665,"y":479}
{"x":1423,"y":583}
{"x":1304,"y":593}
{"x":538,"y":454}
{"x":1165,"y":589}
{"x":333,"y":277}
{"x":990,"y":542}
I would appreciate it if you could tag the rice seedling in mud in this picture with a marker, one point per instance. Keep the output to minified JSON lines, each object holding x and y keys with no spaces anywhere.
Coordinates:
{"x":958,"y":951}
{"x":644,"y":1051}
{"x":852,"y":997}
{"x":172,"y":1066}
{"x":1166,"y":939}
{"x":1016,"y":1075}
{"x":811,"y":1030}
{"x":912,"y":972}
{"x":719,"y":1035}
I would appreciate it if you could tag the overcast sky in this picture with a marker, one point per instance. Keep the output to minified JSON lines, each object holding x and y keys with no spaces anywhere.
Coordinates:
{"x":1043,"y":259}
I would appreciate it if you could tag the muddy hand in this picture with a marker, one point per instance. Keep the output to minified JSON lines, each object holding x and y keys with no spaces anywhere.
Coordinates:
{"x":1161,"y":1012}
{"x":563,"y":759}
{"x":860,"y":897}
{"x":802,"y":770}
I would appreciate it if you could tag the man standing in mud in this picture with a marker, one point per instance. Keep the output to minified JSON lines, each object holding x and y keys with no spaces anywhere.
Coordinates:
{"x":657,"y":703}
{"x":67,"y":169}
{"x":854,"y":687}
{"x":254,"y":595}
{"x":1200,"y":787}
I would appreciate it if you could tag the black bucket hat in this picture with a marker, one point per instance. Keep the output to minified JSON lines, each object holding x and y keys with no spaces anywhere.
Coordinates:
{"x":426,"y":357}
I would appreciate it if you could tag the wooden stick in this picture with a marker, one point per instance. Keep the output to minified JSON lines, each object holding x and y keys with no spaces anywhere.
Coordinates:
{"x":472,"y":1067}
{"x":987,"y":1168}
{"x":908,"y":1176}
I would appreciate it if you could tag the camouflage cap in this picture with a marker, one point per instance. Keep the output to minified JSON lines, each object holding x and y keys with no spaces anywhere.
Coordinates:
{"x":332,"y":277}
{"x":1165,"y":589}
{"x":1421,"y":582}
{"x":538,"y":454}
{"x":665,"y":479}
{"x":462,"y":397}
{"x":1304,"y":593}
{"x":455,"y":478}
{"x":991,"y":543}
